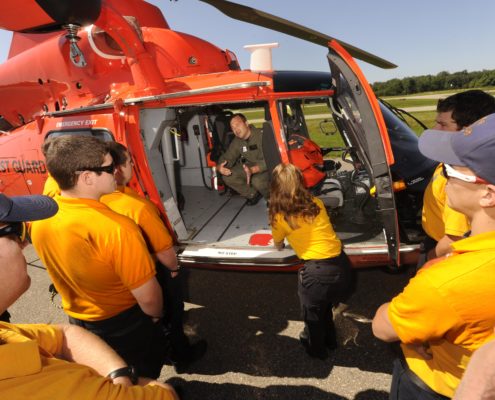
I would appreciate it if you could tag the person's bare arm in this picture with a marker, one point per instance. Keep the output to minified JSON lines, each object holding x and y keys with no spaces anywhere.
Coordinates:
{"x":15,"y":279}
{"x":443,"y":246}
{"x":83,"y":347}
{"x":478,"y":382}
{"x":382,"y":328}
{"x":168,"y":258}
{"x":150,"y":298}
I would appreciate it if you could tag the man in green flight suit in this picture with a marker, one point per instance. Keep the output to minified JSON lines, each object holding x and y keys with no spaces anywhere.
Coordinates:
{"x":243,"y":166}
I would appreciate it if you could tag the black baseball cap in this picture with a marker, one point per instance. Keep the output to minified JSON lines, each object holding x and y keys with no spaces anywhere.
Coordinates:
{"x":26,"y":208}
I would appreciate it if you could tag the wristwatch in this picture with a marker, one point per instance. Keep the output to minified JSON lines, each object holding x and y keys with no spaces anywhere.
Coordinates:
{"x":129,"y":371}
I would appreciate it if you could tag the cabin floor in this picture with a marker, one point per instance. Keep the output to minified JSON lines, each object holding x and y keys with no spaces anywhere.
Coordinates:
{"x":211,"y":217}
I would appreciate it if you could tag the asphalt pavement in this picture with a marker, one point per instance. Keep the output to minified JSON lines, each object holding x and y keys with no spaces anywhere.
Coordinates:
{"x":251,"y":322}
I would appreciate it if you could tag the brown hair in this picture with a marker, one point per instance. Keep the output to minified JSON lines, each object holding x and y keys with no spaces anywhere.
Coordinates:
{"x":289,"y":197}
{"x":468,"y":107}
{"x":239,"y":115}
{"x":118,"y":152}
{"x":67,"y":155}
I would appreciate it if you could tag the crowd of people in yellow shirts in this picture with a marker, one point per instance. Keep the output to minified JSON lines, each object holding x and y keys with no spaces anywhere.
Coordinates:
{"x":112,"y":260}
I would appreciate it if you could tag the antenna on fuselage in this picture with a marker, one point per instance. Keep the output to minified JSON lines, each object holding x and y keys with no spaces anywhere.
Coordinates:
{"x":76,"y":55}
{"x":261,"y":56}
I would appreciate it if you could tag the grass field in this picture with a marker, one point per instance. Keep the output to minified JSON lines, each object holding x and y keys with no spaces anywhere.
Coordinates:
{"x":406,"y":102}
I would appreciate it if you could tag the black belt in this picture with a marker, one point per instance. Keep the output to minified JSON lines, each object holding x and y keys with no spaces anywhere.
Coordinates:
{"x":417,"y":380}
{"x":123,"y":323}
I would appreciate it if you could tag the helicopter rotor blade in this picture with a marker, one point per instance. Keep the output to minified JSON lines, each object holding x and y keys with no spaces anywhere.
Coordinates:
{"x":261,"y":18}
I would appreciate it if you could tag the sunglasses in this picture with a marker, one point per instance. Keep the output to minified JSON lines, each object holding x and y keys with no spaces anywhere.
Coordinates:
{"x":109,"y":169}
{"x":449,"y":172}
{"x":17,"y":229}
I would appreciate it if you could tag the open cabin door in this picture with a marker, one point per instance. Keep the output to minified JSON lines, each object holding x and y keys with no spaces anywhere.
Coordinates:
{"x":357,"y":112}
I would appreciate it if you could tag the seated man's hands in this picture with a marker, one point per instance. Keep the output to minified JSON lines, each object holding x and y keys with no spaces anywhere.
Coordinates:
{"x":248,"y":172}
{"x":223,"y":169}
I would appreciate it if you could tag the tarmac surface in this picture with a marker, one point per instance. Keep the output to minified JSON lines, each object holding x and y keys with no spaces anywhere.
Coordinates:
{"x":251,"y":321}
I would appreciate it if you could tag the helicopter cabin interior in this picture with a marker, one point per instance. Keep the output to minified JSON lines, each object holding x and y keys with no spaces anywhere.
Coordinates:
{"x":216,"y":226}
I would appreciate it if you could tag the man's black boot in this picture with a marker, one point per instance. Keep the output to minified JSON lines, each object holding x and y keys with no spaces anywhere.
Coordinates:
{"x":188,"y":356}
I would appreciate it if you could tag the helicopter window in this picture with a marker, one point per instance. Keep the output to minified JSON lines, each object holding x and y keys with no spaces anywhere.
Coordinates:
{"x":311,"y":118}
{"x":255,"y":115}
{"x":101,"y":134}
{"x":410,"y":164}
{"x":219,"y":124}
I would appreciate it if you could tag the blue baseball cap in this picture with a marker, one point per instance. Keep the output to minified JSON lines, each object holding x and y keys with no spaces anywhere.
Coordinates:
{"x":26,"y":208}
{"x":472,"y":147}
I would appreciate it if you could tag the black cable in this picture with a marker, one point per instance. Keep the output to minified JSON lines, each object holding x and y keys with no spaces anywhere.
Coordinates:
{"x":201,"y":165}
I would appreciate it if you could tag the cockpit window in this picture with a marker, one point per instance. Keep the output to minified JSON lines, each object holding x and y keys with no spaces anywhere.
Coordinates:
{"x":101,"y":134}
{"x":312,"y":118}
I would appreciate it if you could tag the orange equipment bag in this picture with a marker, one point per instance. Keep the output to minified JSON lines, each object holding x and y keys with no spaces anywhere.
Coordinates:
{"x":306,"y":155}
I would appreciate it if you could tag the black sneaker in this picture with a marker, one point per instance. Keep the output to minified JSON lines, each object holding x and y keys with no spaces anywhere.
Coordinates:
{"x":254,"y":200}
{"x":190,"y":355}
{"x":321,"y":354}
{"x":330,"y":340}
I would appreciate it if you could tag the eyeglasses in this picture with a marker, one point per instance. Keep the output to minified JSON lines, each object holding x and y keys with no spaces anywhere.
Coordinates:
{"x":449,"y":172}
{"x":17,"y":229}
{"x":109,"y":169}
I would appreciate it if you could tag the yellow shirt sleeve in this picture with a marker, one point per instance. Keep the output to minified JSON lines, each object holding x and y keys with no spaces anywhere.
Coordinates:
{"x":50,"y":338}
{"x":29,"y":370}
{"x":130,"y":257}
{"x":420,"y":313}
{"x":51,"y":187}
{"x":278,"y":231}
{"x":154,"y":231}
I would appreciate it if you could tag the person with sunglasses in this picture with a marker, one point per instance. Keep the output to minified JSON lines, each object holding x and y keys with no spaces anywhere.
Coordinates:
{"x":97,"y":259}
{"x":442,"y":224}
{"x":144,"y":213}
{"x":41,"y":361}
{"x":447,"y":310}
{"x":126,"y":201}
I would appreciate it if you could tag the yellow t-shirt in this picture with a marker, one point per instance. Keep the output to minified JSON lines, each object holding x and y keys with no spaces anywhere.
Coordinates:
{"x":29,"y":370}
{"x":438,"y":218}
{"x":94,"y":257}
{"x":311,"y":241}
{"x":144,"y":214}
{"x":51,"y":187}
{"x":450,"y":304}
{"x":131,"y":192}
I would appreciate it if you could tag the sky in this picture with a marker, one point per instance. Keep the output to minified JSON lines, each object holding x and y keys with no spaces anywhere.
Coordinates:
{"x":420,"y":36}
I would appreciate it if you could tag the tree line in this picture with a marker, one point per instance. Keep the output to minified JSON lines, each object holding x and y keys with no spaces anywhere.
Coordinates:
{"x":441,"y":81}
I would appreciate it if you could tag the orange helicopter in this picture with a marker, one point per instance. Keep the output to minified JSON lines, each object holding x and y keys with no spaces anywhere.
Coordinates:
{"x":115,"y":70}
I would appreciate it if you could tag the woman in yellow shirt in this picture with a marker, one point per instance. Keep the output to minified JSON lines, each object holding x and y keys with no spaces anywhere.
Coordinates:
{"x":325,"y":278}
